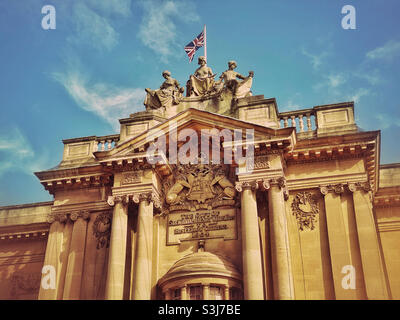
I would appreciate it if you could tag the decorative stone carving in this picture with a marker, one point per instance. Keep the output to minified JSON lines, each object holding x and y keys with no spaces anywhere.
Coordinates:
{"x":253,"y":185}
{"x":63,"y":217}
{"x":305,"y":208}
{"x":110,"y":201}
{"x":102,"y":229}
{"x":364,"y":186}
{"x":131,"y":177}
{"x":260,"y":162}
{"x":199,"y":186}
{"x":170,"y":93}
{"x":339,"y":188}
{"x":25,"y":283}
{"x":136,"y":198}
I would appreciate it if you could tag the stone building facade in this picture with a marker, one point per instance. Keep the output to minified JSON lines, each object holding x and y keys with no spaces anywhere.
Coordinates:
{"x":313,"y":215}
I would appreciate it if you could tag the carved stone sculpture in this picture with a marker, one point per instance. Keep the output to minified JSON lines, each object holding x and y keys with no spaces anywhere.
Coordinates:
{"x":230,"y":78}
{"x":305,"y":208}
{"x":202,"y":81}
{"x":169,"y":94}
{"x":102,"y":230}
{"x":199,"y":185}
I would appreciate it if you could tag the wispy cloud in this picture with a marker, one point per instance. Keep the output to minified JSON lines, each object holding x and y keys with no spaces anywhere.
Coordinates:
{"x":315,"y":59}
{"x":388,"y":51}
{"x":108,"y":102}
{"x":17,"y":154}
{"x":93,"y":23}
{"x":387,"y":120}
{"x":158,"y":29}
{"x":358,"y":94}
{"x":331,"y":82}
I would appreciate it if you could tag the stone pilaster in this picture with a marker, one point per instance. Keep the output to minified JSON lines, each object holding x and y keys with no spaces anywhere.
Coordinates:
{"x":74,"y":272}
{"x":51,"y":257}
{"x":338,"y":239}
{"x":371,"y":258}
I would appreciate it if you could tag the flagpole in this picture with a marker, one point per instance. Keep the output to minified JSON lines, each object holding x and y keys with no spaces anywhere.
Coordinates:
{"x":205,"y":43}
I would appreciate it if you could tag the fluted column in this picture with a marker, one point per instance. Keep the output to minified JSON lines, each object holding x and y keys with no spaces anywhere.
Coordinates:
{"x":117,"y":249}
{"x":280,"y":250}
{"x":143,"y":260}
{"x":372,"y":264}
{"x":251,"y":248}
{"x":74,"y":273}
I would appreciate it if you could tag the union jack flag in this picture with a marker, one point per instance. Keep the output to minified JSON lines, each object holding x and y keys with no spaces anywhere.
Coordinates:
{"x":194,"y":45}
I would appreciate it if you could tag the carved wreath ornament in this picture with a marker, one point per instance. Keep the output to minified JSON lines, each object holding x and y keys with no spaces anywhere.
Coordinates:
{"x":305,"y":208}
{"x":102,"y":230}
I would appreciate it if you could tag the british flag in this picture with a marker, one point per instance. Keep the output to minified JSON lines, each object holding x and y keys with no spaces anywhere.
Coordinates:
{"x":194,"y":45}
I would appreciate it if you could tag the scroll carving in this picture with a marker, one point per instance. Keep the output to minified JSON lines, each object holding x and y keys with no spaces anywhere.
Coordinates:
{"x":305,"y":208}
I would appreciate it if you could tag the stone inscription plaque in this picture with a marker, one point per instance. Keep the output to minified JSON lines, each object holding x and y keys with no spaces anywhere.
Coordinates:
{"x":204,"y":224}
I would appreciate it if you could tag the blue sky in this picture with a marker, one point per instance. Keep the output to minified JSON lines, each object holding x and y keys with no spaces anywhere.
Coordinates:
{"x":80,"y":78}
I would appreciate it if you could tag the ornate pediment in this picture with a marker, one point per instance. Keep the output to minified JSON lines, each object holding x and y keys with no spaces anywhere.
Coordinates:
{"x":194,"y":123}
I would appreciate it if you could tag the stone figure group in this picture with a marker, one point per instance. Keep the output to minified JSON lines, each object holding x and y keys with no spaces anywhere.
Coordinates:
{"x":200,"y":84}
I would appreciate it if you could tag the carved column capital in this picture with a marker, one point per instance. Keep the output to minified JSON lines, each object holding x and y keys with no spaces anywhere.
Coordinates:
{"x":74,"y":216}
{"x":336,"y":188}
{"x":240,"y":185}
{"x":324,"y":190}
{"x":60,"y":217}
{"x":363,"y":186}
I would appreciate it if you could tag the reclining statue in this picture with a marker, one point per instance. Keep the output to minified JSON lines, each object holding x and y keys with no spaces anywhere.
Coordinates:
{"x":169,"y":94}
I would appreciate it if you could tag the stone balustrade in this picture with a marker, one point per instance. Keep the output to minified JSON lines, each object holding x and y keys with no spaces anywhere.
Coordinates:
{"x":105,"y":143}
{"x":305,"y":119}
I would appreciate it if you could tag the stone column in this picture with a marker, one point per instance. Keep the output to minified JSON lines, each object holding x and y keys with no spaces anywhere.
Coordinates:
{"x":206,"y":292}
{"x":226,"y":293}
{"x":372,"y":265}
{"x":280,"y":250}
{"x":117,"y":249}
{"x":251,"y":248}
{"x":167,"y":294}
{"x":184,"y":293}
{"x":74,"y":273}
{"x":143,"y":260}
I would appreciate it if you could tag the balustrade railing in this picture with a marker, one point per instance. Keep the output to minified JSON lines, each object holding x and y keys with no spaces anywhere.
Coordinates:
{"x":105,"y":143}
{"x":302,"y":120}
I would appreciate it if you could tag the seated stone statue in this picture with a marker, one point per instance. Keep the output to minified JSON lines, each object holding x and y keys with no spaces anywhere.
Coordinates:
{"x":230,"y":78}
{"x":202,"y":81}
{"x":169,"y":93}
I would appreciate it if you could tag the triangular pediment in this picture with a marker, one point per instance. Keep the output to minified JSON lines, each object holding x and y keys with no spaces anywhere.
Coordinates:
{"x":197,"y":122}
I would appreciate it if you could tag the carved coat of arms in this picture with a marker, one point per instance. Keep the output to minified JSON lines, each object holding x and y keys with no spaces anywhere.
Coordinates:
{"x":199,"y":186}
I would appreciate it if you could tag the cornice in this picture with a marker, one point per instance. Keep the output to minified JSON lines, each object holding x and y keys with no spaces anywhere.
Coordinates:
{"x":25,"y":232}
{"x":316,"y":182}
